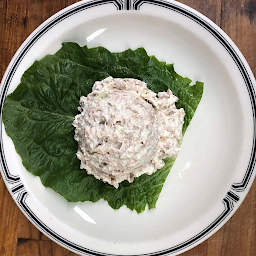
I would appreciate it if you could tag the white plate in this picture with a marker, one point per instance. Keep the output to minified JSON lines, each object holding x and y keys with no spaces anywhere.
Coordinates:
{"x":215,"y":167}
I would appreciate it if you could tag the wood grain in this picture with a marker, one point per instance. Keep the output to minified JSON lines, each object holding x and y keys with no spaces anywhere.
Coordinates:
{"x":18,"y":18}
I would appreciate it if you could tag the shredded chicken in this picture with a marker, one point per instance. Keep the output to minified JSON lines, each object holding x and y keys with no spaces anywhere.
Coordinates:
{"x":126,"y":130}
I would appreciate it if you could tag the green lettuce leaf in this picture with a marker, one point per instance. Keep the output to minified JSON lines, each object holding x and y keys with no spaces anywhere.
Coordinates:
{"x":38,"y":117}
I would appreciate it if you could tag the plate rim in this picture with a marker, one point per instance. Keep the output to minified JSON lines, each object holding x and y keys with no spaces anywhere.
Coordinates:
{"x":231,"y":197}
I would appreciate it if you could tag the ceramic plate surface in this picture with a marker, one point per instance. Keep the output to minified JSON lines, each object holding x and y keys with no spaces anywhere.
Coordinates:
{"x":213,"y":171}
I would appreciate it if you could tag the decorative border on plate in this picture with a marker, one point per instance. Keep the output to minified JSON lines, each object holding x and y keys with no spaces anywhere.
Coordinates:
{"x":241,"y":186}
{"x":230,"y":197}
{"x":119,"y":4}
{"x":228,"y":202}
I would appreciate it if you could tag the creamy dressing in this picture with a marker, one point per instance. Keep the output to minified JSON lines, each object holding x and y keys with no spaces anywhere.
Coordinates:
{"x":126,"y":130}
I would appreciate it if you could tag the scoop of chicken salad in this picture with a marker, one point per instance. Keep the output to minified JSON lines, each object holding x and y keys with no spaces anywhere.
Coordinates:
{"x":125,"y":130}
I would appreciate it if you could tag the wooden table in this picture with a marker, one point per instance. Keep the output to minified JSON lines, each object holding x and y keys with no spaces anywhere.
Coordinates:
{"x":18,"y":18}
